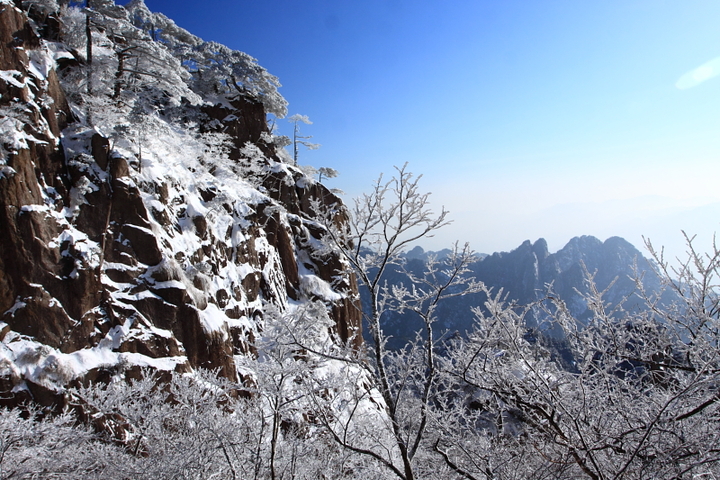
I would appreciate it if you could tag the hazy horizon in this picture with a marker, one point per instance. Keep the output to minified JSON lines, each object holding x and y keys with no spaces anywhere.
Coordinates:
{"x":553,"y":119}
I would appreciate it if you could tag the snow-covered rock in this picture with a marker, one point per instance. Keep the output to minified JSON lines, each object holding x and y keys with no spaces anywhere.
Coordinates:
{"x":144,"y":222}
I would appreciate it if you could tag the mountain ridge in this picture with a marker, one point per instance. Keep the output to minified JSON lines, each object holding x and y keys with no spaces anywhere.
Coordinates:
{"x":529,"y":273}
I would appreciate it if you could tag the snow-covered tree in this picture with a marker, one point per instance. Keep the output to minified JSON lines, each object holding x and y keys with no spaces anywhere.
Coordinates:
{"x":122,"y":67}
{"x":382,"y":224}
{"x":326,"y":172}
{"x":298,"y":139}
{"x":218,"y":72}
{"x":635,"y":396}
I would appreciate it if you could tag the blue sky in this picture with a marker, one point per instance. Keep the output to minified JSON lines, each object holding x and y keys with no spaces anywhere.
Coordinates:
{"x":527,"y":119}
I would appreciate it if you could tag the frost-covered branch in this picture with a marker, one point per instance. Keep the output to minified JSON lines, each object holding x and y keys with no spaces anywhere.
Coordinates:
{"x":382,"y":225}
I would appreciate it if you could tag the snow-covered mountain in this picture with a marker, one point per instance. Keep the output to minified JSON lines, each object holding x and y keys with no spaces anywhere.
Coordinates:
{"x":148,"y":216}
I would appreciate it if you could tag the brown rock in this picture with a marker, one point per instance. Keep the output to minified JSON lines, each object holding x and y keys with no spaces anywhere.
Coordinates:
{"x":245,"y":123}
{"x":143,"y":244}
{"x":40,"y":316}
{"x":100,"y":147}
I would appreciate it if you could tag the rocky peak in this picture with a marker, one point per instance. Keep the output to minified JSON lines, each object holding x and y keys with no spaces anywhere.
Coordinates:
{"x":540,"y":248}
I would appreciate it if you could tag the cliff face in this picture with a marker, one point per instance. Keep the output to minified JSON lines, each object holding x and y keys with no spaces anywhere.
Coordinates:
{"x":126,"y":246}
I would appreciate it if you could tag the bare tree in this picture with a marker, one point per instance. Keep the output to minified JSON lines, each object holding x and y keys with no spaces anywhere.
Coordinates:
{"x":298,"y":139}
{"x":382,"y":225}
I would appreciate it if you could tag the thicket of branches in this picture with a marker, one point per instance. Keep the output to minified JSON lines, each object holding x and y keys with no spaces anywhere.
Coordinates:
{"x":635,"y":397}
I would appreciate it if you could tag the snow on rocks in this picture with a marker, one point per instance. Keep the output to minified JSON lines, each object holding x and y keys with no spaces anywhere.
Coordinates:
{"x":158,"y":241}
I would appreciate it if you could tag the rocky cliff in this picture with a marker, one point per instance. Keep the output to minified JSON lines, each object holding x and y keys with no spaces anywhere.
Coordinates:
{"x":147,"y":219}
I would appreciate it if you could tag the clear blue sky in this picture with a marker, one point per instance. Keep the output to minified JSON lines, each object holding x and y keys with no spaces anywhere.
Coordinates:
{"x":527,"y":119}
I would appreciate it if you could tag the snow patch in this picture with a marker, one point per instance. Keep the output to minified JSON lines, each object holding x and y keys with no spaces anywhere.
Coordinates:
{"x":59,"y":51}
{"x":14,"y":137}
{"x":34,"y":208}
{"x":41,"y":63}
{"x":18,"y":305}
{"x":214,"y":320}
{"x":7,"y":172}
{"x":314,"y":286}
{"x":48,"y":366}
{"x":9,"y":77}
{"x":79,"y":247}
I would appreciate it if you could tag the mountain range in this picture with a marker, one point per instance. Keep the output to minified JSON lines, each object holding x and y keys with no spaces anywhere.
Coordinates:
{"x":530,"y":273}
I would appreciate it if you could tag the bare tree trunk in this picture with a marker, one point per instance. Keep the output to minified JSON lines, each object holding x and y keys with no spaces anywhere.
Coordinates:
{"x":88,"y":57}
{"x":295,"y":144}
